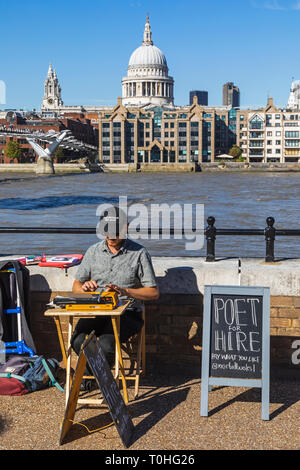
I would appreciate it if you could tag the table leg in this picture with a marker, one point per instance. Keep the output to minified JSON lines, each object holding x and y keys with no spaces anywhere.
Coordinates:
{"x":69,"y":357}
{"x":116,"y":328}
{"x":61,"y":340}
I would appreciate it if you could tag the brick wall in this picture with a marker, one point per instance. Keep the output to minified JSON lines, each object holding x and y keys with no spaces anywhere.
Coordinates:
{"x":174,"y":329}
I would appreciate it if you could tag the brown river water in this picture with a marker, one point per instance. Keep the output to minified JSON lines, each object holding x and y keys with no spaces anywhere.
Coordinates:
{"x":236,"y":200}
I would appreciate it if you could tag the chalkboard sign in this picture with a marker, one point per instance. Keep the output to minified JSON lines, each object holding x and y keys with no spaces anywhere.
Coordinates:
{"x":236,"y":340}
{"x":236,"y":336}
{"x":107,"y":384}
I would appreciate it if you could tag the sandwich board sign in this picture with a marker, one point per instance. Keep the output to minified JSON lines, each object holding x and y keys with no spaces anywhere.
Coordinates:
{"x":92,"y":353}
{"x":236,"y":341}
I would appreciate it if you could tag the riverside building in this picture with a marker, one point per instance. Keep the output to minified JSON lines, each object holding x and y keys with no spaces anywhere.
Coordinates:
{"x":158,"y":134}
{"x":270,"y":134}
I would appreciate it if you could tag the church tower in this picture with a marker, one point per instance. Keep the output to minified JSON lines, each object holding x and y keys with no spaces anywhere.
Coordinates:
{"x":52,"y":92}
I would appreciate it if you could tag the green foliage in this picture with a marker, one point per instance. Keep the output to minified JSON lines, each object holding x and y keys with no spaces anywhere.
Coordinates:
{"x":235,"y":151}
{"x":13,"y":150}
{"x":59,"y":152}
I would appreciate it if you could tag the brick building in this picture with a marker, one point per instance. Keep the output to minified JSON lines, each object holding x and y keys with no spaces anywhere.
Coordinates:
{"x":14,"y":122}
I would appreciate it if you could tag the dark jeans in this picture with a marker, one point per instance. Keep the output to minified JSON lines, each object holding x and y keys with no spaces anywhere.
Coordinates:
{"x":131,"y":323}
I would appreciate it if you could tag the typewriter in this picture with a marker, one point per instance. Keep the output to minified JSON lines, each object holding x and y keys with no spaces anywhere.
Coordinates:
{"x":97,"y":301}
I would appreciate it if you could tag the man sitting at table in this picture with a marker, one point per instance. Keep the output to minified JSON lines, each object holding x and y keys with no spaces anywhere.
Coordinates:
{"x":116,"y":264}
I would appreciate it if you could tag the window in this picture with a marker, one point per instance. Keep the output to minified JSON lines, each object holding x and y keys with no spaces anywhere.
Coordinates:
{"x":166,"y":134}
{"x":166,"y":124}
{"x":277,"y":116}
{"x":278,"y":133}
{"x":291,"y":133}
{"x":278,"y":142}
{"x":256,"y":122}
{"x":292,"y":143}
{"x":292,"y":152}
{"x":182,"y":124}
{"x":269,"y":134}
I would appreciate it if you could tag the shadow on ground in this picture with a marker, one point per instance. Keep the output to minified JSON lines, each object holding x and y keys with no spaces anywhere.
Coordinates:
{"x":152,"y":405}
{"x":285,"y":395}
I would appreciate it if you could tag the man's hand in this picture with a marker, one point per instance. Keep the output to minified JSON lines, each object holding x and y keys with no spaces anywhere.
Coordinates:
{"x":115,"y":288}
{"x":87,"y":286}
{"x":140,"y":293}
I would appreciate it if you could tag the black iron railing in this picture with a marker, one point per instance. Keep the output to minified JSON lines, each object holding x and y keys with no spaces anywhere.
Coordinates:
{"x":269,"y":233}
{"x":210,"y":232}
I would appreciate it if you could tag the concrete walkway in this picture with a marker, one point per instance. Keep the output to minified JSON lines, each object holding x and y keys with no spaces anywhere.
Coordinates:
{"x":166,"y":417}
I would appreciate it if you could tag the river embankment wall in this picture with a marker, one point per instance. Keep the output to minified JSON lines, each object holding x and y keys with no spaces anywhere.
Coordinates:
{"x":209,"y":167}
{"x":174,"y":321}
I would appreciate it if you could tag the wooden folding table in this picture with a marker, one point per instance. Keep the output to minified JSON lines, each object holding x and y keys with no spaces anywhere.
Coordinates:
{"x":70,"y":315}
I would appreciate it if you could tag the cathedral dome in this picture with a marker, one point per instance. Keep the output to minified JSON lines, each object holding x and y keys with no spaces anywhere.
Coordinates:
{"x":147,"y":80}
{"x":147,"y":55}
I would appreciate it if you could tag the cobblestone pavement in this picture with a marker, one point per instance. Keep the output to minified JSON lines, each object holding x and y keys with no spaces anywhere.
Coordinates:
{"x":166,"y":416}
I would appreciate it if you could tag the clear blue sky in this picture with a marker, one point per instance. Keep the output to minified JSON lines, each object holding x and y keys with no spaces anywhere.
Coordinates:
{"x":254,"y":43}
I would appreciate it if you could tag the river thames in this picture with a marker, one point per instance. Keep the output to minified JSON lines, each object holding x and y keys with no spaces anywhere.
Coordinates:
{"x":236,"y":200}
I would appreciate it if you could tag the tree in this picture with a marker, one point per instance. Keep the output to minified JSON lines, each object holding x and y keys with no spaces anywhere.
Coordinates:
{"x":58,"y":153}
{"x":235,"y":151}
{"x":13,"y":150}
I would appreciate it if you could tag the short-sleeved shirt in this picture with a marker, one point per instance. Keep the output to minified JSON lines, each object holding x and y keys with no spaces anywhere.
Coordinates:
{"x":130,"y":267}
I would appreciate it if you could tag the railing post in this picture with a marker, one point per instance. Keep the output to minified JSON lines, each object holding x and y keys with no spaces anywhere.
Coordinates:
{"x":270,"y":233}
{"x":210,"y":233}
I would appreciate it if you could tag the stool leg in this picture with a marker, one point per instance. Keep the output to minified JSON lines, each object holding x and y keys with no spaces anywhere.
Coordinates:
{"x":144,"y":344}
{"x":138,"y":366}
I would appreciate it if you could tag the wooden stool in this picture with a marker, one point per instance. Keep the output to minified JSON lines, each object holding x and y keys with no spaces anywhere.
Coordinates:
{"x":135,"y":348}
